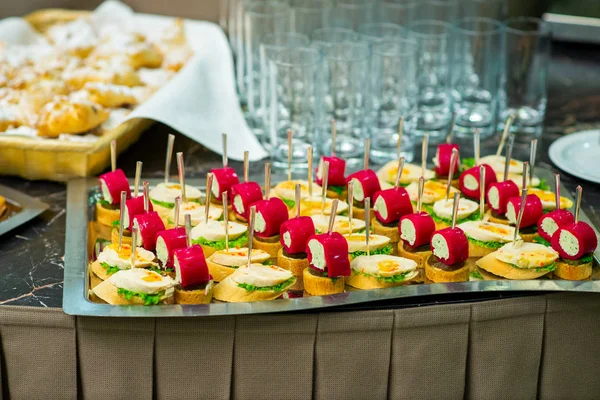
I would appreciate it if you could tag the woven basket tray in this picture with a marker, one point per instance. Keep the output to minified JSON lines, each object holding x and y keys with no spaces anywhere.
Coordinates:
{"x":59,"y":160}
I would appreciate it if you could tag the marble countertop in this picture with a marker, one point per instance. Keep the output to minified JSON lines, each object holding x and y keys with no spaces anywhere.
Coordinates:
{"x":31,"y":256}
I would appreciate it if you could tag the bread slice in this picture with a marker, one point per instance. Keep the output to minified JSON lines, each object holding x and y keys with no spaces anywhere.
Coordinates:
{"x":219,"y":272}
{"x":106,"y":216}
{"x":95,"y":280}
{"x":440,"y":225}
{"x":360,"y":281}
{"x":496,"y":220}
{"x":528,"y":237}
{"x":195,"y":296}
{"x":234,"y":217}
{"x":359,"y":213}
{"x":114,"y":235}
{"x":570,"y":272}
{"x":296,"y":266}
{"x":502,"y":269}
{"x":476,"y":251}
{"x":418,"y":256}
{"x":321,"y":286}
{"x":208,"y":251}
{"x":164,"y":212}
{"x":438,"y":275}
{"x":271,"y":246}
{"x":229,"y":291}
{"x":335,"y":195}
{"x":110,"y":294}
{"x":99,"y":271}
{"x":388,"y":231}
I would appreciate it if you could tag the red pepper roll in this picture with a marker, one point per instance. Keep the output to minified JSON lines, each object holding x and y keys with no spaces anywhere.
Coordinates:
{"x":328,"y":253}
{"x":167,"y":242}
{"x":135,"y":207}
{"x":450,"y":246}
{"x":575,"y":241}
{"x":243,"y":195}
{"x":391,"y":204}
{"x":149,"y":224}
{"x":469,"y":181}
{"x":366,"y":184}
{"x":532,"y":213}
{"x":549,"y":223}
{"x":443,"y":156}
{"x":337,"y":169}
{"x":113,"y":183}
{"x":270,"y":214}
{"x":294,"y":234}
{"x":224,"y":179}
{"x":416,"y":229}
{"x":190,"y":267}
{"x":498,"y":194}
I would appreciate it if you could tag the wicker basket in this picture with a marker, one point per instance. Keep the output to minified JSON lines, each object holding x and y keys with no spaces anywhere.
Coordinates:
{"x":59,"y":160}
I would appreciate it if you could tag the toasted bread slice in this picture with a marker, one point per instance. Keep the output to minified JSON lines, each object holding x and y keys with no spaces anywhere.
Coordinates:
{"x":420,"y":257}
{"x":570,"y":272}
{"x":94,"y":279}
{"x":106,"y":216}
{"x":296,"y":266}
{"x":321,"y":286}
{"x":195,"y":296}
{"x":360,"y":281}
{"x":99,"y":271}
{"x":502,"y":269}
{"x":208,"y":251}
{"x":219,"y":272}
{"x":114,"y":235}
{"x":496,"y":220}
{"x":271,"y":246}
{"x":389,"y":231}
{"x":110,"y":294}
{"x":359,"y":213}
{"x":476,"y":251}
{"x":234,"y":217}
{"x":438,"y":275}
{"x":229,"y":291}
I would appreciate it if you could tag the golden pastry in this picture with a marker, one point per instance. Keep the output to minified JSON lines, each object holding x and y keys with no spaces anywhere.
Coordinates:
{"x":66,"y":116}
{"x":109,"y":95}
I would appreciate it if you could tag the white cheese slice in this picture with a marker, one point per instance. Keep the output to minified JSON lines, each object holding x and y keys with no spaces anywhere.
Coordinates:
{"x":381,"y":207}
{"x":287,"y":239}
{"x":549,"y":226}
{"x":122,"y":259}
{"x":568,"y":242}
{"x":383,"y":265}
{"x":238,"y":257}
{"x":105,"y":192}
{"x":511,"y":213}
{"x":318,"y":254}
{"x":494,"y":197}
{"x":260,"y":225}
{"x":341,"y":224}
{"x":162,"y":253}
{"x":215,"y":230}
{"x":238,"y":204}
{"x":471,"y":182}
{"x":410,"y":173}
{"x":488,"y":231}
{"x":443,"y":208}
{"x":168,"y":192}
{"x":141,"y":281}
{"x":408,"y":232}
{"x":261,"y":275}
{"x":358,"y":242}
{"x":526,"y":255}
{"x":439,"y":246}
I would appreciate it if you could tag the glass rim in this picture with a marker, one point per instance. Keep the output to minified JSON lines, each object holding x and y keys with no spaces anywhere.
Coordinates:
{"x":429,"y":22}
{"x":543,"y":26}
{"x":393,"y":4}
{"x":497,"y":26}
{"x":397,"y":27}
{"x":324,"y":4}
{"x":362,"y":45}
{"x":297,"y":35}
{"x":281,"y":9}
{"x":357,"y":5}
{"x":382,"y":47}
{"x":332,"y":30}
{"x":303,"y":61}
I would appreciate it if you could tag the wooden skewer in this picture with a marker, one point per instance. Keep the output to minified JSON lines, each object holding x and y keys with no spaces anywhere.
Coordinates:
{"x":267,"y":180}
{"x":520,"y":215}
{"x":453,"y":161}
{"x":181,"y":172}
{"x":350,"y":205}
{"x":134,"y":234}
{"x":424,"y":149}
{"x":170,"y":144}
{"x":333,"y":137}
{"x":225,"y":159}
{"x":177,"y":210}
{"x":525,"y":168}
{"x":476,"y":145}
{"x":368,"y":225}
{"x":310,"y":169}
{"x":188,"y":230}
{"x":557,"y":190}
{"x":399,"y":172}
{"x":209,"y":183}
{"x":298,"y":198}
{"x":251,"y":222}
{"x":138,"y":176}
{"x":455,"y":209}
{"x":122,"y":218}
{"x":481,"y":191}
{"x":334,"y":206}
{"x":289,"y":171}
{"x":400,"y":129}
{"x":579,"y":191}
{"x":367,"y":150}
{"x":146,"y":196}
{"x":507,"y":126}
{"x":420,"y":194}
{"x":450,"y":133}
{"x":509,"y":149}
{"x":226,"y":218}
{"x":532,"y":156}
{"x":324,"y":186}
{"x":113,"y":155}
{"x":246,"y":162}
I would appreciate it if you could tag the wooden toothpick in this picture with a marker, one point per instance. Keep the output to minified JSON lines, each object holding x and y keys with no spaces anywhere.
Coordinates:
{"x":246,"y":162}
{"x":424,"y":149}
{"x":170,"y":144}
{"x":209,"y":182}
{"x":138,"y":176}
{"x":298,"y":198}
{"x":481,"y":191}
{"x":267,"y":180}
{"x":399,"y":172}
{"x":420,"y":194}
{"x":367,"y":150}
{"x":368,"y":224}
{"x":181,"y":172}
{"x":146,"y":196}
{"x":350,"y":205}
{"x":188,"y":229}
{"x":455,"y":209}
{"x":251,"y":221}
{"x":122,"y":218}
{"x":324,"y":187}
{"x":177,"y":210}
{"x":453,"y":161}
{"x":113,"y":155}
{"x":334,"y":206}
{"x":509,"y":149}
{"x":226,"y":218}
{"x":532,"y":157}
{"x":557,"y":191}
{"x":520,"y":215}
{"x":134,"y":234}
{"x":579,"y":191}
{"x":476,"y":145}
{"x":507,"y":126}
{"x":225,"y":159}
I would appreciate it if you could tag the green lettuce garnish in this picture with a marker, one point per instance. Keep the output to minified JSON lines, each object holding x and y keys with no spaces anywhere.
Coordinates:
{"x":149,"y":299}
{"x":274,"y":288}
{"x":547,"y":268}
{"x":541,"y":240}
{"x":160,"y":271}
{"x":116,"y":223}
{"x":387,"y":279}
{"x":476,"y":275}
{"x":220,"y":244}
{"x":289,"y":203}
{"x":166,"y":204}
{"x":337,"y":189}
{"x":268,"y":262}
{"x":543,"y":185}
{"x":583,"y":260}
{"x":468,"y":163}
{"x":476,"y":216}
{"x":487,"y":245}
{"x":104,"y":202}
{"x":110,"y":269}
{"x":387,"y":249}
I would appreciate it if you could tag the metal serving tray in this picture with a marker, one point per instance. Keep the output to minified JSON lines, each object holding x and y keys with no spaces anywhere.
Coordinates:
{"x":81,"y":199}
{"x":23,"y":208}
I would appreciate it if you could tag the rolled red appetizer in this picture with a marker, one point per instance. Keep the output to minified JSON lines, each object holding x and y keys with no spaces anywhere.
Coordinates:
{"x":191,"y":269}
{"x":469,"y":181}
{"x":366,"y":184}
{"x":149,"y":224}
{"x":443,"y":156}
{"x":498,"y":194}
{"x":574,"y":241}
{"x":112,"y":184}
{"x":167,"y":242}
{"x":333,"y":247}
{"x":243,"y":195}
{"x":223,"y":180}
{"x":531,"y":214}
{"x":391,"y":204}
{"x":450,"y":246}
{"x":416,"y":229}
{"x":134,"y":207}
{"x":270,"y":214}
{"x":549,"y":223}
{"x":337,"y":170}
{"x":294,"y":234}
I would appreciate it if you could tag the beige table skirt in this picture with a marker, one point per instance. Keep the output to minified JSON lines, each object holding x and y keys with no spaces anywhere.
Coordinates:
{"x":521,"y":348}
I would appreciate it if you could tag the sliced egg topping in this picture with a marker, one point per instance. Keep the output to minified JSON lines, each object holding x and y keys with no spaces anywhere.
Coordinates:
{"x":548,"y":199}
{"x":526,"y":255}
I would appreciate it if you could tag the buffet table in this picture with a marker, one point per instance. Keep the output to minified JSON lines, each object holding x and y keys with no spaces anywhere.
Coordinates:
{"x":489,"y":345}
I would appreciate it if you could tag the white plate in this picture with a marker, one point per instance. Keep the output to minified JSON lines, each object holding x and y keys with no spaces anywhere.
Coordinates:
{"x":578,"y":154}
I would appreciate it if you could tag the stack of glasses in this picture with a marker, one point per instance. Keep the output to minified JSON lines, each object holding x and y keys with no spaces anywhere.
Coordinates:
{"x":372,"y":66}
